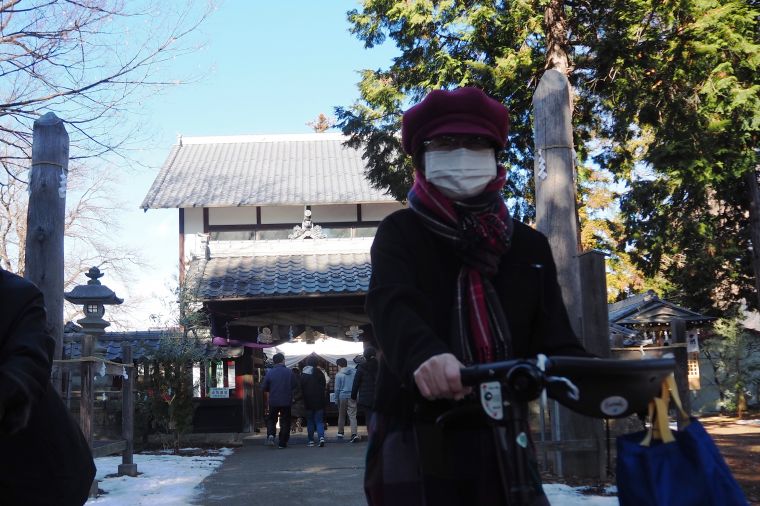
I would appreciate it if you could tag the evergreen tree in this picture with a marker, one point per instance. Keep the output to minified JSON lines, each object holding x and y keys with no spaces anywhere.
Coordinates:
{"x":685,"y":114}
{"x":665,"y":93}
{"x":733,"y":355}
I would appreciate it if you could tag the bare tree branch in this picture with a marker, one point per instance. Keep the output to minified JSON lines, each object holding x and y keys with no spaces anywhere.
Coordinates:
{"x":92,"y":62}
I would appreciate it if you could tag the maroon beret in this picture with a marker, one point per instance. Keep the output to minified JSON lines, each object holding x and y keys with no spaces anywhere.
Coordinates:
{"x":460,"y":111}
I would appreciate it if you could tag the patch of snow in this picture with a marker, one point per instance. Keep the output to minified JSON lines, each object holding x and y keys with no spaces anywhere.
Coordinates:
{"x":565,"y":495}
{"x":165,"y":480}
{"x":749,"y":422}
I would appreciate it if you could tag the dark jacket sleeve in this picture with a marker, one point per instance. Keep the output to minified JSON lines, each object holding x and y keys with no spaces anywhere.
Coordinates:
{"x":265,"y":385}
{"x":399,"y":311}
{"x":552,"y":325}
{"x":357,"y":381}
{"x":26,"y":349}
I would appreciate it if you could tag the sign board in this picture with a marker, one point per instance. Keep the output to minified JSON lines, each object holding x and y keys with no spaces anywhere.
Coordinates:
{"x":692,"y":343}
{"x":219,"y":393}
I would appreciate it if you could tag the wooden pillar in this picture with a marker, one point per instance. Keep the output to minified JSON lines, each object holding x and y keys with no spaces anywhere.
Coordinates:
{"x":596,"y":333}
{"x":181,"y":262}
{"x":203,"y":382}
{"x":43,"y":257}
{"x":127,"y":466}
{"x":596,"y":322}
{"x":678,"y":338}
{"x":554,"y":175}
{"x":87,"y":398}
{"x":244,"y":367}
{"x":557,"y":218}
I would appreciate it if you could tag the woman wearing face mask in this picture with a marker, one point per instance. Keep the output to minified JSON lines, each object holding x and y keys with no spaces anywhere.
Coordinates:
{"x":455,"y":281}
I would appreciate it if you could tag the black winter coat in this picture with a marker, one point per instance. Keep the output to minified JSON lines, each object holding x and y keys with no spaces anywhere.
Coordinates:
{"x":411,"y":299}
{"x":363,"y":389}
{"x":44,"y":458}
{"x":313,"y":386}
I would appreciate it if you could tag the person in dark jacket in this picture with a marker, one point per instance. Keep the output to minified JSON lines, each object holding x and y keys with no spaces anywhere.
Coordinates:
{"x":278,"y":386}
{"x":363,"y":389}
{"x":44,"y":457}
{"x":455,"y":280}
{"x":313,"y":385}
{"x":297,"y":410}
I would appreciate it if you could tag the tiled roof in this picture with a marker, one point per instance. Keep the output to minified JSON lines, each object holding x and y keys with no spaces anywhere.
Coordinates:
{"x":647,"y":308}
{"x":630,"y":305}
{"x":616,"y":329}
{"x":262,"y":170}
{"x":144,"y":345}
{"x":266,"y":276}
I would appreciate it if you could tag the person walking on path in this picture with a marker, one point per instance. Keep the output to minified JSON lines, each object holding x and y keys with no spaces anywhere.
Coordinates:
{"x":278,"y":386}
{"x":313,"y":386}
{"x":344,"y":381}
{"x":363,"y":390}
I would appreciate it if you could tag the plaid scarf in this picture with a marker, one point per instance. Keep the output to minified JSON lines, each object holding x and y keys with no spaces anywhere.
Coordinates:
{"x":480,"y":229}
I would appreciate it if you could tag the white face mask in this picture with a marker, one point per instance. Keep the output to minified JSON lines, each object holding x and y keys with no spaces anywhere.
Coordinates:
{"x":461,"y":173}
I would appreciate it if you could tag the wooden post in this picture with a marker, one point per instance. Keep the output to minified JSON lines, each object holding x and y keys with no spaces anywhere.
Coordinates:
{"x":678,"y":338}
{"x":87,"y":398}
{"x":556,"y":213}
{"x":244,"y":368}
{"x":557,"y":218}
{"x":43,"y":258}
{"x":596,"y":332}
{"x":127,"y":466}
{"x":596,"y":322}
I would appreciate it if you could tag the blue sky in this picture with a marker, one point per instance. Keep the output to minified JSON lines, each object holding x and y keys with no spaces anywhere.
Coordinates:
{"x":266,"y":67}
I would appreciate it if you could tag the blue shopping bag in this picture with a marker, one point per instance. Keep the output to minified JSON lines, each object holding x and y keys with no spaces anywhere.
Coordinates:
{"x":657,"y":467}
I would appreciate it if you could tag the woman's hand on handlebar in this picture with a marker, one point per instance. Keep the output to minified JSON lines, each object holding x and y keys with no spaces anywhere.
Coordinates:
{"x":438,"y":378}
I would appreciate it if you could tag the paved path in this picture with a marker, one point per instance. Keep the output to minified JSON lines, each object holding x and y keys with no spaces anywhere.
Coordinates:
{"x":256,"y":474}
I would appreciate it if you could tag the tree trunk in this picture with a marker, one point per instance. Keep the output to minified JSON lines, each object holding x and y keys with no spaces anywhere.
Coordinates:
{"x":555,"y":26}
{"x":753,"y":196}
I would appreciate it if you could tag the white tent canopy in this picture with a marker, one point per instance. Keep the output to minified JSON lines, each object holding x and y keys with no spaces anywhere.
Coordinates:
{"x":328,"y":348}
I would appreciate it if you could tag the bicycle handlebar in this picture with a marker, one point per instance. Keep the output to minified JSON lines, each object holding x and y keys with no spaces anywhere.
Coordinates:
{"x":479,"y":373}
{"x":601,"y":388}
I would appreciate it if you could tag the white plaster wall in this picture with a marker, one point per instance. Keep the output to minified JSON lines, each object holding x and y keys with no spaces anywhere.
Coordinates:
{"x":291,"y":215}
{"x":376,"y":212}
{"x":193,"y":220}
{"x":231,"y":215}
{"x":333,"y":213}
{"x":194,"y":246}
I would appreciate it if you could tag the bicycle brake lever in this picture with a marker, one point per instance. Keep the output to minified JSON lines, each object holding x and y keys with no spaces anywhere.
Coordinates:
{"x":572,"y":390}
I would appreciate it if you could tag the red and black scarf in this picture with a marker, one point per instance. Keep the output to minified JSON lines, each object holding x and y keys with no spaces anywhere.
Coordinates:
{"x":480,"y":229}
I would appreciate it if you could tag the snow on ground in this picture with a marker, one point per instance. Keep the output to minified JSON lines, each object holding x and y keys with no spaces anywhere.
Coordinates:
{"x":171,"y":480}
{"x":749,"y":422}
{"x":565,"y":495}
{"x":166,"y":480}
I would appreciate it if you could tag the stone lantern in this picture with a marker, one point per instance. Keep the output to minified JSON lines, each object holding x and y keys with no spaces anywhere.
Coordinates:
{"x":93,"y":297}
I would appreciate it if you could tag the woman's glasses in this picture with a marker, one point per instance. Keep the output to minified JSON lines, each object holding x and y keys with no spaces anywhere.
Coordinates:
{"x":452,"y":142}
